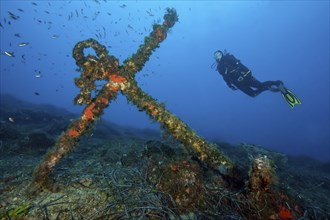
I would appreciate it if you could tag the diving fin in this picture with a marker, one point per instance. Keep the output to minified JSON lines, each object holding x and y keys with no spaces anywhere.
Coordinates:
{"x":289,"y":96}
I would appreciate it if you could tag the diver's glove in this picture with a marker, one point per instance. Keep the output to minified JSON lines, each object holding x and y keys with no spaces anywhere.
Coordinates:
{"x":233,"y":87}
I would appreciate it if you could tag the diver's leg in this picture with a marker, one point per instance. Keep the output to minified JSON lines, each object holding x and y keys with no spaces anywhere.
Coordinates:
{"x":267,"y":85}
{"x":272,"y":83}
{"x":247,"y":90}
{"x":273,"y":86}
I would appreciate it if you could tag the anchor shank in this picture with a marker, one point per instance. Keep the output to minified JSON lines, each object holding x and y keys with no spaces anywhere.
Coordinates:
{"x":180,"y":131}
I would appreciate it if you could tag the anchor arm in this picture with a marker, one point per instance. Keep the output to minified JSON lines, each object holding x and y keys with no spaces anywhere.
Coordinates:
{"x":136,"y":62}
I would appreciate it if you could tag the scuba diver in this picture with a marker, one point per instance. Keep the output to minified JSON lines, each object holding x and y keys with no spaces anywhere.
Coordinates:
{"x":238,"y":76}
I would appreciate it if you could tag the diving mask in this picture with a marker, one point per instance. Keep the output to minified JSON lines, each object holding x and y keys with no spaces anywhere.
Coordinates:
{"x":218,"y":55}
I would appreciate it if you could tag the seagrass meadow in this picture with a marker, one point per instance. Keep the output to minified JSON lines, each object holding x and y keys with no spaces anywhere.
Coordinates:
{"x":126,"y":173}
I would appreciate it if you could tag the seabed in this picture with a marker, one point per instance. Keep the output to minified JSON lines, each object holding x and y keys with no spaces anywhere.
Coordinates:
{"x":121,"y":173}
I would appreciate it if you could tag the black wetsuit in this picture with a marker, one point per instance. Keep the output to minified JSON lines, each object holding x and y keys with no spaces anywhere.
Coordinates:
{"x":238,"y":76}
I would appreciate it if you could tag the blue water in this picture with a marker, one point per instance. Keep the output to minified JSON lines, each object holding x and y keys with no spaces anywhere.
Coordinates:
{"x":286,"y":40}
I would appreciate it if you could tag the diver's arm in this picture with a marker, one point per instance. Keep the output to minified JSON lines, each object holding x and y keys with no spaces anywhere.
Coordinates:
{"x":223,"y":70}
{"x":229,"y":82}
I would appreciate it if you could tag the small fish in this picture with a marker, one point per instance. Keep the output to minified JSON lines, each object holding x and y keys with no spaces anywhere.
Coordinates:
{"x":38,"y":74}
{"x":12,"y":16}
{"x":1,"y":25}
{"x":10,"y":54}
{"x":33,"y":3}
{"x":129,"y":26}
{"x":21,"y":10}
{"x":70,"y":16}
{"x":123,"y":6}
{"x":17,"y":35}
{"x":23,"y":44}
{"x":36,"y":93}
{"x":55,"y":36}
{"x":11,"y":119}
{"x":149,"y":12}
